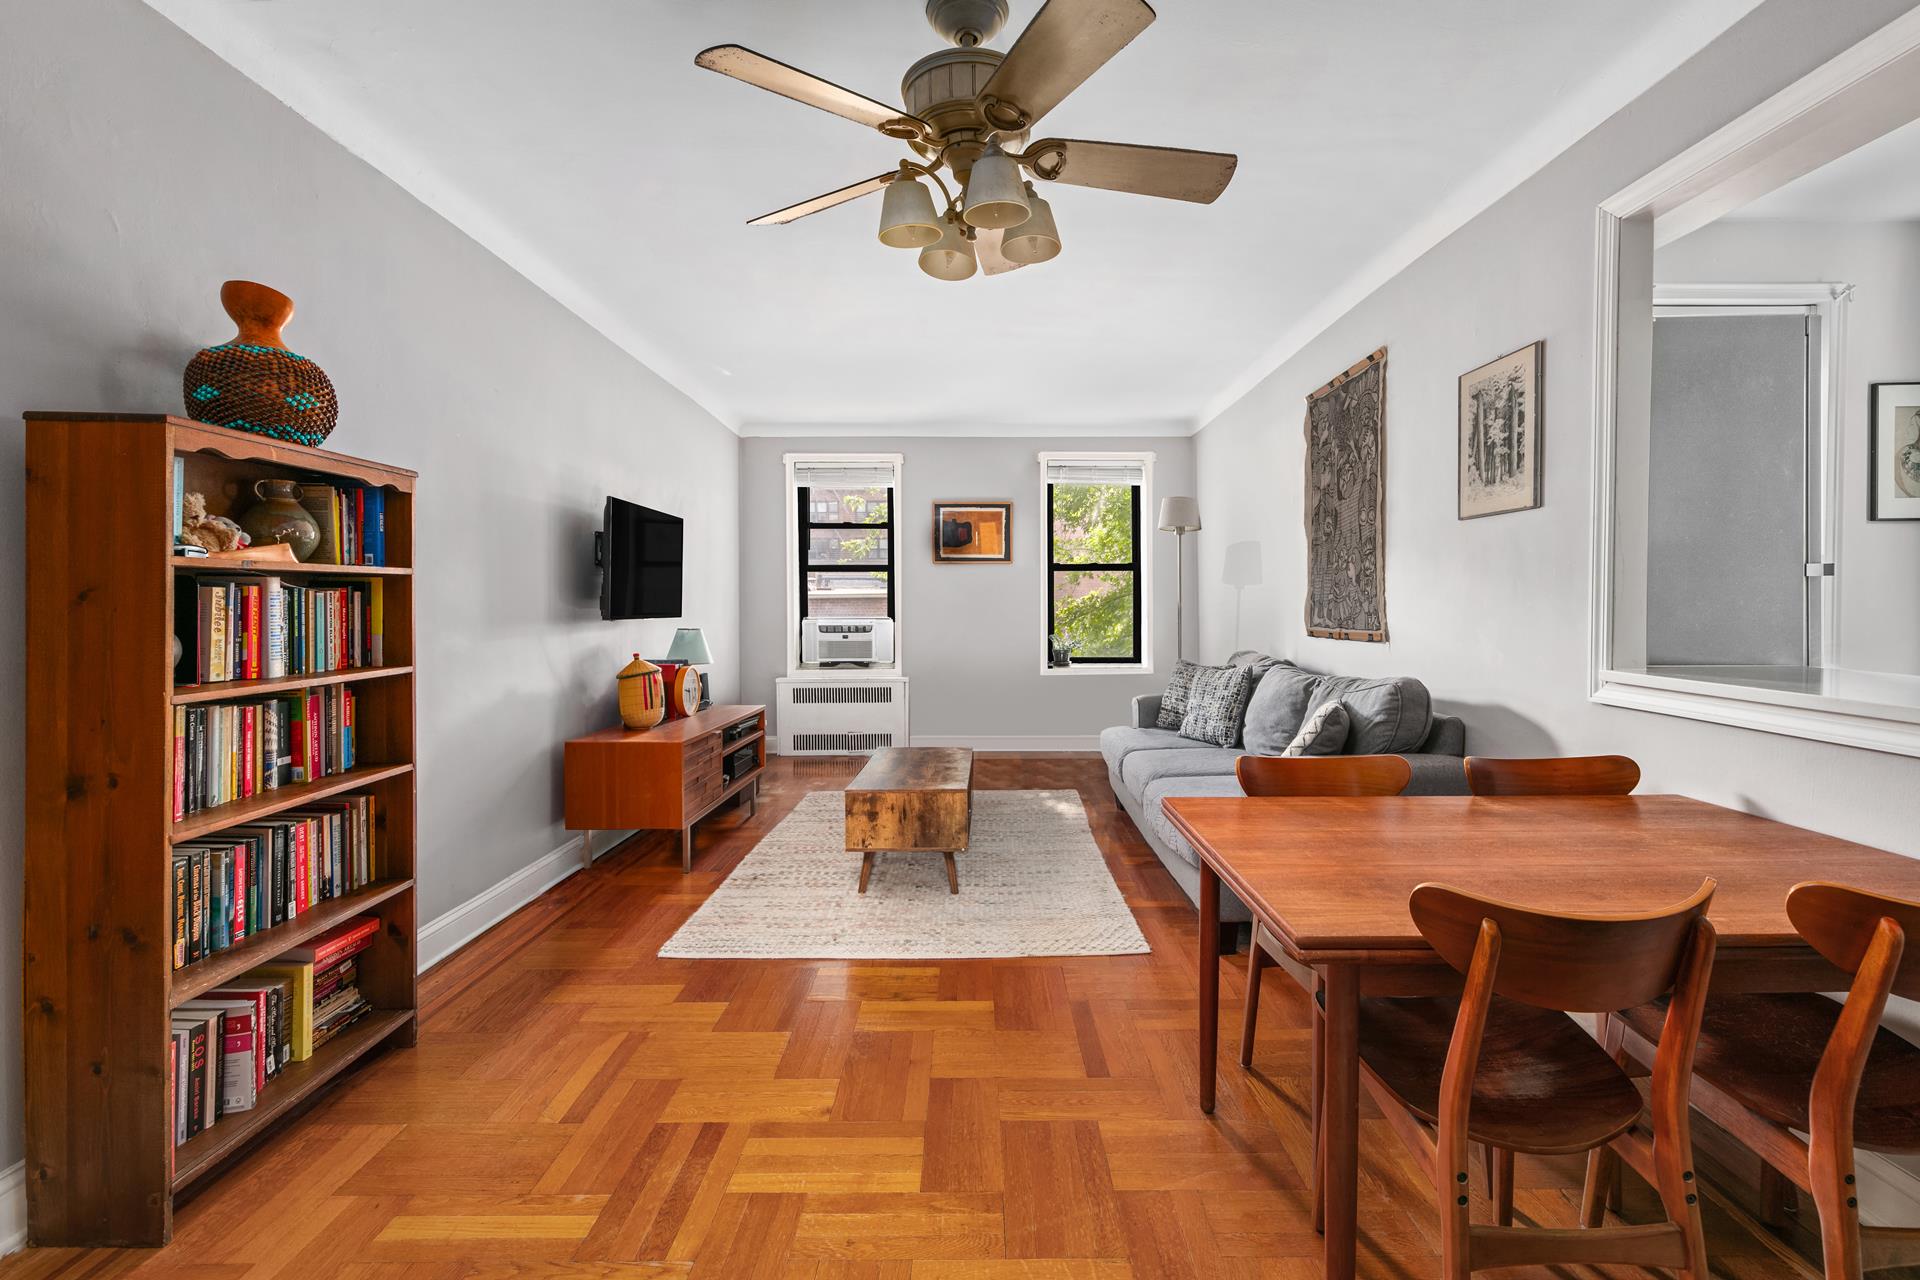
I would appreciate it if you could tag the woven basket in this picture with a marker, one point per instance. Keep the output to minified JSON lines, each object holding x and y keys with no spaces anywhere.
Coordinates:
{"x":643,"y":694}
{"x":253,"y":383}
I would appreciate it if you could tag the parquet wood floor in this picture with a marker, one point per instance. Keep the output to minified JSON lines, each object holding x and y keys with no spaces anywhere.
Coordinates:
{"x":578,"y":1108}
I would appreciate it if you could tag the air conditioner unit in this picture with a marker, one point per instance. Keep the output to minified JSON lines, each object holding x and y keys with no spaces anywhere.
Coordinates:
{"x":840,"y":715}
{"x":861,"y":642}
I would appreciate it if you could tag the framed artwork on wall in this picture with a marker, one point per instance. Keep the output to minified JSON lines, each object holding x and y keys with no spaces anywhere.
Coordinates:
{"x":972,"y":532}
{"x":1346,"y":504}
{"x":1500,"y":434}
{"x":1895,"y":452}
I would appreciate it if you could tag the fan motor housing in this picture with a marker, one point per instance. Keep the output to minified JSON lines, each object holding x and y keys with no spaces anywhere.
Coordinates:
{"x":967,"y":22}
{"x":942,"y":89}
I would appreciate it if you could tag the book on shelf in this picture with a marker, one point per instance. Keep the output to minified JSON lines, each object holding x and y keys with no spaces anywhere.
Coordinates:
{"x":346,"y":939}
{"x":230,"y":751}
{"x":253,"y":628}
{"x":352,"y":520}
{"x":233,"y":885}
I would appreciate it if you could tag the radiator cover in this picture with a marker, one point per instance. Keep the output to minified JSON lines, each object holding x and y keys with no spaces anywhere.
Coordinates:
{"x":840,"y":715}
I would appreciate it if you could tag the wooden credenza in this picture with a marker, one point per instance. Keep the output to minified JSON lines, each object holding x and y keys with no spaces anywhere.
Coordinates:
{"x":665,"y":778}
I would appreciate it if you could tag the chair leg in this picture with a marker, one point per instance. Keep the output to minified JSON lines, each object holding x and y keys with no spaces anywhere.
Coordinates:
{"x":1834,"y":1195}
{"x":1503,"y":1186}
{"x":1603,"y":1173}
{"x":1256,"y":960}
{"x":1317,"y":1088}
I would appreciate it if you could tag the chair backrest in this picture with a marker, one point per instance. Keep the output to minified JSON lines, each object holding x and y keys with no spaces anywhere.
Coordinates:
{"x":1839,"y":922}
{"x":1552,"y":776}
{"x":1323,"y":775}
{"x":1577,"y":963}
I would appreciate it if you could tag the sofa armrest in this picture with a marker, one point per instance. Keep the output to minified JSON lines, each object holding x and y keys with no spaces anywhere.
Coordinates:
{"x":1436,"y":775}
{"x":1448,"y":737}
{"x":1146,"y":711}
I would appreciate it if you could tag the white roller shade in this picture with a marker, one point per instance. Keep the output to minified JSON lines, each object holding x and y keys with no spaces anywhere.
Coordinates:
{"x":845,"y":475}
{"x":1096,"y":470}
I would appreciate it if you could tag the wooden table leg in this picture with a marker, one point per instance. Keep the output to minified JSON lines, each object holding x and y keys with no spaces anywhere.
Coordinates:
{"x":1317,"y":1079}
{"x":1209,"y":982}
{"x":953,"y":874}
{"x":1340,"y":1120}
{"x":866,"y":869}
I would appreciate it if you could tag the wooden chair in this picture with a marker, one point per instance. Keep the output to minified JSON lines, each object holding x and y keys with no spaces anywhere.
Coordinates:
{"x":1504,"y":1065}
{"x":1771,"y":1064}
{"x":1552,"y":776}
{"x":1306,"y":776}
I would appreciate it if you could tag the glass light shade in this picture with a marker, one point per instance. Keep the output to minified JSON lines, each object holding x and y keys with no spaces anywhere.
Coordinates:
{"x":907,"y":219}
{"x":996,"y":194}
{"x":690,"y":646}
{"x":1036,"y":239}
{"x":1179,"y":515}
{"x":951,"y":257}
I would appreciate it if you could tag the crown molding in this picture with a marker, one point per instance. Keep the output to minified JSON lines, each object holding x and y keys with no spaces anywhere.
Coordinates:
{"x":1157,"y":428}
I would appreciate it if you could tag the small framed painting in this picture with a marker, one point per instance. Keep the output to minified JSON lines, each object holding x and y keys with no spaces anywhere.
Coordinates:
{"x":1500,"y":434}
{"x":1895,"y":492}
{"x":972,"y":532}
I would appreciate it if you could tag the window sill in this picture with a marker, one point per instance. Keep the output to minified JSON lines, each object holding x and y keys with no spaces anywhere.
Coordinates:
{"x":1871,"y":710}
{"x":1100,"y":669}
{"x":890,"y":672}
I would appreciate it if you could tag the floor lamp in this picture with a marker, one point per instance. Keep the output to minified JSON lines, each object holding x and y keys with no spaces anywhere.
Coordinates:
{"x":1179,"y":516}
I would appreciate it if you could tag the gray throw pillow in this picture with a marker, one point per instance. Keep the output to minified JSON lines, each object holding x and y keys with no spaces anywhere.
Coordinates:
{"x":1216,"y":704}
{"x":1323,"y":734}
{"x":1254,"y":660}
{"x":1279,"y":707}
{"x":1389,"y":716}
{"x":1173,"y":703}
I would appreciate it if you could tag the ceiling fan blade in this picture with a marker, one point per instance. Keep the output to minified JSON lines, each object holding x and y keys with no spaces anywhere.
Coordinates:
{"x":759,"y":70}
{"x":1169,"y":172}
{"x":986,"y":248}
{"x":865,"y":187}
{"x":1067,"y":41}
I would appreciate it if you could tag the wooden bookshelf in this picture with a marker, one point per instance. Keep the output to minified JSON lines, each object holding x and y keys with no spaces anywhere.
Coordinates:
{"x":99,"y":981}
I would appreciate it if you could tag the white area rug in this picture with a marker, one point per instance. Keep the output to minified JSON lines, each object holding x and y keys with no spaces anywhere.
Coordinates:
{"x":1032,"y":884}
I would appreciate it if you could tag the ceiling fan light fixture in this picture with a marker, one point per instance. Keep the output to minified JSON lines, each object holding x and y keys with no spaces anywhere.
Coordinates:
{"x":907,"y":217}
{"x":1035,"y":240}
{"x":996,"y":196}
{"x":951,"y":257}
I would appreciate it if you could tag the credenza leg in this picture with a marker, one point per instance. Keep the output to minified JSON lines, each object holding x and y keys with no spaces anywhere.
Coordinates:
{"x":686,"y":849}
{"x":586,"y":848}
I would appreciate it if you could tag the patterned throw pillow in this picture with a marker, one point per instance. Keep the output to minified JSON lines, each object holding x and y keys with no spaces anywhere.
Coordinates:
{"x":1216,"y":704}
{"x":1323,"y":734}
{"x":1173,"y":703}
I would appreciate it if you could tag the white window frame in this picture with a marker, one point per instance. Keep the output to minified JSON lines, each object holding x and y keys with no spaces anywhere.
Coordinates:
{"x":1145,"y":459}
{"x":791,"y":505}
{"x":1856,"y":97}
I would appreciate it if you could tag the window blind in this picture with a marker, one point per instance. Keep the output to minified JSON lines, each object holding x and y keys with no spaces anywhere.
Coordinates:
{"x":845,"y":475}
{"x":1096,"y":471}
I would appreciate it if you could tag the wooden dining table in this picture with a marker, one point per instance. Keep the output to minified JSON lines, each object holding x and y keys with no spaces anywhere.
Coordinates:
{"x":1330,"y":878}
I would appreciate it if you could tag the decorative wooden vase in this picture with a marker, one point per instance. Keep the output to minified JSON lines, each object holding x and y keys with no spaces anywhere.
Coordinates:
{"x":253,"y":383}
{"x":643,"y":695}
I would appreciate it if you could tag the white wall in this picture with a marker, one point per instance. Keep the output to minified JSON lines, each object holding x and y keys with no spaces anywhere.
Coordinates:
{"x":140,"y":172}
{"x":1879,"y":564}
{"x":1492,"y":613}
{"x":973,"y":634}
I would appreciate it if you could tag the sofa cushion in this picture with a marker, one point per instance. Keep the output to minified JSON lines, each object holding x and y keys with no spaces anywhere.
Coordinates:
{"x":1142,"y":769}
{"x":1254,"y":660}
{"x":1323,"y":734}
{"x":1389,"y":716}
{"x":1168,"y":788}
{"x":1278,"y":708}
{"x":1217,"y":704}
{"x":1173,"y":703}
{"x":1121,"y":741}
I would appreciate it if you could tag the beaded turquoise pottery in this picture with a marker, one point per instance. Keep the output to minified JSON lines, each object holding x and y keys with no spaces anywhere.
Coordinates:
{"x":253,"y":383}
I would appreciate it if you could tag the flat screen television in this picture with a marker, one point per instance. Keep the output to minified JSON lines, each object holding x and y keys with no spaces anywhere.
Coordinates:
{"x":640,"y":562}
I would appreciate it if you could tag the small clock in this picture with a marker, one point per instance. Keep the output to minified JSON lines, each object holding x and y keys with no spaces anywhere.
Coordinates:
{"x":683,"y":691}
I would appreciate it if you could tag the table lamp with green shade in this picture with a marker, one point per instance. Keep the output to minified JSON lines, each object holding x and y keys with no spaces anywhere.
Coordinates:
{"x":690,"y":648}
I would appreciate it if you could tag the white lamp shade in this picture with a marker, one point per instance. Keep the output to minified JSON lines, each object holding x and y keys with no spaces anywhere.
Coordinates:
{"x":1179,"y":515}
{"x":690,"y":646}
{"x":996,"y":195}
{"x":1036,"y":239}
{"x":951,"y":257}
{"x":907,"y":218}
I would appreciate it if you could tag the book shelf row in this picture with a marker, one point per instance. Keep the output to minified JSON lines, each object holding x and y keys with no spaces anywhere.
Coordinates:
{"x":264,"y":628}
{"x":351,"y":518}
{"x":234,"y":751}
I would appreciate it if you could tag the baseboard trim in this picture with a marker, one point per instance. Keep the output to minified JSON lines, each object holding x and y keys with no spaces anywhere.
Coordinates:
{"x":1889,"y":1190}
{"x":13,"y":1208}
{"x":1011,"y":742}
{"x":447,"y":933}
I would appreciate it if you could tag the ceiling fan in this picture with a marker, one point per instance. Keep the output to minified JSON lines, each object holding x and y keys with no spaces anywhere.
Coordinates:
{"x":969,"y":111}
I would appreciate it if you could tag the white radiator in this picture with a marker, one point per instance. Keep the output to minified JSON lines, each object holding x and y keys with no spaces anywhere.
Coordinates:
{"x":841,"y":715}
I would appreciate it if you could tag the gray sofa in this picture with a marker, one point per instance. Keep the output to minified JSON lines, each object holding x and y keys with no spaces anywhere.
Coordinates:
{"x":1149,"y":765}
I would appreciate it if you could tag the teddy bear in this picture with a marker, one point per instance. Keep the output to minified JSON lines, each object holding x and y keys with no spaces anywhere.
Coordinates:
{"x":215,"y":533}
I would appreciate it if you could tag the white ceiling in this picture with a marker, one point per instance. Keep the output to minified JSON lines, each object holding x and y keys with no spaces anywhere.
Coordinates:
{"x":578,"y":141}
{"x":1879,"y":182}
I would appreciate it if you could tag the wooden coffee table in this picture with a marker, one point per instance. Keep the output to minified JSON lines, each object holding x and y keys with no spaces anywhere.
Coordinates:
{"x":912,"y":800}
